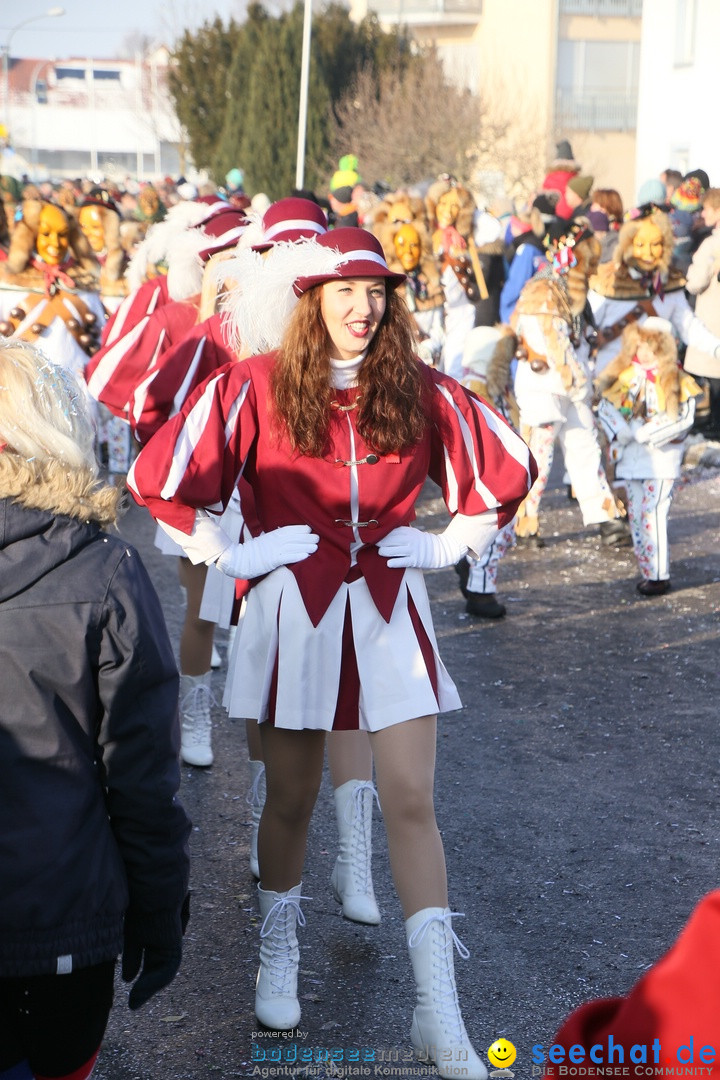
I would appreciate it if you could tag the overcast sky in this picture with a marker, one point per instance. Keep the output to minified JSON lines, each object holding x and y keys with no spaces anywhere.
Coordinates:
{"x":99,"y":28}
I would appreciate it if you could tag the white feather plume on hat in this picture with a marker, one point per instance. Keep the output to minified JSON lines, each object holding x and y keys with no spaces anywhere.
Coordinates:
{"x":159,"y":237}
{"x":258,"y":306}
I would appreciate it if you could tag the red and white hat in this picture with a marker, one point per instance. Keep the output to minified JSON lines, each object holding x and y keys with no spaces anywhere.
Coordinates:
{"x":289,"y":220}
{"x":189,"y":252}
{"x":222,"y":231}
{"x":356,"y":253}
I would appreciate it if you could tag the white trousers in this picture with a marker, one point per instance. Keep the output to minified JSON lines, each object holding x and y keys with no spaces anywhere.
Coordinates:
{"x":483,"y":572}
{"x":648,"y":509}
{"x":578,"y":439}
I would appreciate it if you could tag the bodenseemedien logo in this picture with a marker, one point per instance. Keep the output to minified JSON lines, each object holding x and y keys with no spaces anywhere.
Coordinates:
{"x":502,"y":1054}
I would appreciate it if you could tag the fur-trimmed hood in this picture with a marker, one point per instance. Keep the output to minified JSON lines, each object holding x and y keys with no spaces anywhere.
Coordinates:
{"x":664,"y":348}
{"x":615,"y":280}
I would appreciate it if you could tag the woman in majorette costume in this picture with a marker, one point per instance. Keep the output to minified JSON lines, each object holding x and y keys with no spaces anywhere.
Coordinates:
{"x":120,"y":364}
{"x":339,"y":430}
{"x":257,"y":302}
{"x":125,"y":362}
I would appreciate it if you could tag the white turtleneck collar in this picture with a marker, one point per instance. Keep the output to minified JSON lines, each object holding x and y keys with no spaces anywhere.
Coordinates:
{"x":344,"y":373}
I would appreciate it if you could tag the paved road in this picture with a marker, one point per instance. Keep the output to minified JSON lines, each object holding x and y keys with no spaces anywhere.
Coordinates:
{"x":577,"y":792}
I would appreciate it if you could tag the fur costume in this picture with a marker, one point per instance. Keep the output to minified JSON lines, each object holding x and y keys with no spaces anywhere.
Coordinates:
{"x":668,"y":373}
{"x":18,"y":271}
{"x":557,"y":298}
{"x":114,"y":260}
{"x":614,"y":280}
{"x":552,"y":384}
{"x":621,"y":293}
{"x":398,"y":208}
{"x":646,"y":407}
{"x":431,"y":295}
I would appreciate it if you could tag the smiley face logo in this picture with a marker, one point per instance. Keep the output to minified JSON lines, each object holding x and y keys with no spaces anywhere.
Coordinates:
{"x":502,"y":1053}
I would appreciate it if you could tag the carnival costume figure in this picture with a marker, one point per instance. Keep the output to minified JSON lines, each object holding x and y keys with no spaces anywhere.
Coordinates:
{"x":338,"y":604}
{"x":647,"y":407}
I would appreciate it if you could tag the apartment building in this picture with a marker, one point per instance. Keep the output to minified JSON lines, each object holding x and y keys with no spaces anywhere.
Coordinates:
{"x":553,"y":68}
{"x":678,"y":84}
{"x":77,"y":117}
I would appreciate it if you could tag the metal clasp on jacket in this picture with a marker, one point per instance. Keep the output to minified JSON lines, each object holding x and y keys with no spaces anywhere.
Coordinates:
{"x":345,"y":408}
{"x":371,"y":524}
{"x":371,"y":459}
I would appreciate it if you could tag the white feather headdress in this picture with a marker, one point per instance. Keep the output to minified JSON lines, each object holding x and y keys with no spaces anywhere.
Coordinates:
{"x":261,"y":300}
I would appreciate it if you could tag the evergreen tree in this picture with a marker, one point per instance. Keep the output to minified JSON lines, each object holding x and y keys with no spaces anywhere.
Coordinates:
{"x":197,"y":81}
{"x":270,"y":129}
{"x":228,"y":152}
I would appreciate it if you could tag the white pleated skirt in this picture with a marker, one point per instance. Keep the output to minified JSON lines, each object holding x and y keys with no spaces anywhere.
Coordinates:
{"x":218,"y":598}
{"x":277,"y":650}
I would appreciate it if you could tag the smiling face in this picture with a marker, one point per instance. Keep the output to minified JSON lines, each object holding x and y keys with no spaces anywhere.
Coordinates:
{"x":53,"y":238}
{"x":502,"y":1053}
{"x":648,"y":246}
{"x":352,"y":309}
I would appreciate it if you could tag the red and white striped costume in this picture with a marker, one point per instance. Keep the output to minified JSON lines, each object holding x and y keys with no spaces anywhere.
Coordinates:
{"x":169,"y":383}
{"x":118,"y":367}
{"x":344,"y":600}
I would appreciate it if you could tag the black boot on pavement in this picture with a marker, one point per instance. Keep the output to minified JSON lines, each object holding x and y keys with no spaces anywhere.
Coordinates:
{"x":649,"y":587}
{"x":484,"y":605}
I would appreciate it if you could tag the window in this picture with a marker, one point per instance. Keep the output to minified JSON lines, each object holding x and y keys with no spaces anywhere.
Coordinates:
{"x":597,"y":85}
{"x":78,"y":74}
{"x":685,"y":32}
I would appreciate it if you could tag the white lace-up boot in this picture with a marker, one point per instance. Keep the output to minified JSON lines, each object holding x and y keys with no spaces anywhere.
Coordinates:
{"x":438,"y":1032}
{"x":256,"y":801}
{"x":352,"y":874}
{"x":276,"y":1000}
{"x":196,"y":700}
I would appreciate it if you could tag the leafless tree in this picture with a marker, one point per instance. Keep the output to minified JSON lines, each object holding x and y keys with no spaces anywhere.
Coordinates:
{"x":406,"y":126}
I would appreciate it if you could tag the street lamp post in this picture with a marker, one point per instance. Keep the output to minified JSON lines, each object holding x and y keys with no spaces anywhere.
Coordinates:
{"x":51,"y":13}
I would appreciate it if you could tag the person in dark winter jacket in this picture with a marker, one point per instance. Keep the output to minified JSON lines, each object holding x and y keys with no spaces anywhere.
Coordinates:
{"x":94,"y":848}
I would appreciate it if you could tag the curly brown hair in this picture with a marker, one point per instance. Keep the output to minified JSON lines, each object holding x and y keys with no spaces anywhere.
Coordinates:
{"x":394,"y":409}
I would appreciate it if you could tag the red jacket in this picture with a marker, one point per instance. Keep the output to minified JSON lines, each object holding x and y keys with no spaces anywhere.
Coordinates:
{"x":225,"y":429}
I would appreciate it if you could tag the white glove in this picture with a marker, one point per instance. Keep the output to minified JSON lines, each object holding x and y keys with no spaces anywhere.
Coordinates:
{"x":406,"y":547}
{"x":260,"y":555}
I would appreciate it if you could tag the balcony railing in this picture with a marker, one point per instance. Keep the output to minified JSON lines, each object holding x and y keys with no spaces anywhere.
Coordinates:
{"x":595,"y":111}
{"x":628,"y":9}
{"x":410,"y":9}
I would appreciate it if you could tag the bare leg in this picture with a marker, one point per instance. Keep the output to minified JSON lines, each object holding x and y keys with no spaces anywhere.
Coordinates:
{"x":293,"y":770}
{"x":404,"y":756}
{"x":254,"y":742}
{"x":349,"y":756}
{"x":196,"y":640}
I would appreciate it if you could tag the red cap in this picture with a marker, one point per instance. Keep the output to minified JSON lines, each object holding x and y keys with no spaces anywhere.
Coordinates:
{"x":359,"y":255}
{"x":291,"y":219}
{"x":222,"y":231}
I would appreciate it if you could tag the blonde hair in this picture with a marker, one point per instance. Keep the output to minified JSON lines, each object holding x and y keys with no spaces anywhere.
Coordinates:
{"x":711,"y":198}
{"x":47,"y":438}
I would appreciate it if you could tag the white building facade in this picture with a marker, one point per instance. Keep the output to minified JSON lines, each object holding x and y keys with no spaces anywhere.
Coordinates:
{"x":678,"y":86}
{"x":80,"y":117}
